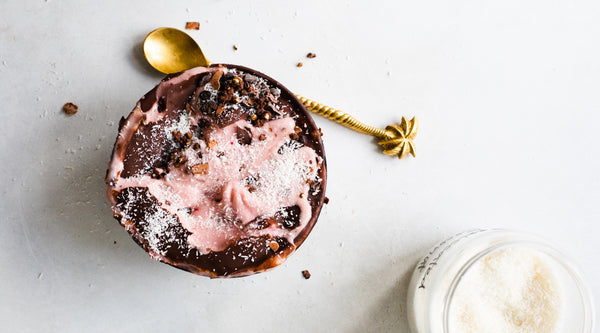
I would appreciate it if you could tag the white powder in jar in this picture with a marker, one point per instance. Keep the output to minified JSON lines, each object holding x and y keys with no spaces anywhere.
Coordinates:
{"x":512,"y":290}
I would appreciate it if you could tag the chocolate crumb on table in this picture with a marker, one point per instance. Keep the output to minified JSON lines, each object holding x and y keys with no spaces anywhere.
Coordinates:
{"x":70,"y":108}
{"x":326,"y":201}
{"x":311,"y":55}
{"x":192,"y":25}
{"x":306,"y":274}
{"x":235,"y":47}
{"x":299,"y":64}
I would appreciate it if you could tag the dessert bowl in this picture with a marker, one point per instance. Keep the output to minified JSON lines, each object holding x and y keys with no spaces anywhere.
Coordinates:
{"x":219,"y":171}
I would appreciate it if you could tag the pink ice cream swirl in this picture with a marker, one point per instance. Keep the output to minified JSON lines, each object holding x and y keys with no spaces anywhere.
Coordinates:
{"x":237,"y":183}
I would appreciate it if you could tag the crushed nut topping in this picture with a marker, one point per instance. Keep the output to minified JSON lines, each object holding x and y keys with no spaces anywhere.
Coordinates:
{"x":274,"y":246}
{"x":215,"y":80}
{"x":200,"y":169}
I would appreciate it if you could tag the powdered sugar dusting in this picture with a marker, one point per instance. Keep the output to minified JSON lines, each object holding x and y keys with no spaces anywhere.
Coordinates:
{"x":159,"y":229}
{"x":182,"y":125}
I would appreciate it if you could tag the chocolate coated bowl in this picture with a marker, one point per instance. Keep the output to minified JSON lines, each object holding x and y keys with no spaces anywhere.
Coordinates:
{"x":219,"y":171}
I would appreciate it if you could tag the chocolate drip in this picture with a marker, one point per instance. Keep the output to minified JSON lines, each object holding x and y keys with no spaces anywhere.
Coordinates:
{"x":173,"y":239}
{"x":244,"y":254}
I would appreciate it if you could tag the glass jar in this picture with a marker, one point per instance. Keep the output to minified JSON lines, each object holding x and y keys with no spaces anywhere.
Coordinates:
{"x":438,"y":274}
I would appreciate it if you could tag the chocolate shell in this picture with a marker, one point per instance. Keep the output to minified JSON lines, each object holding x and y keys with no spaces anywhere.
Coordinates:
{"x":219,"y":171}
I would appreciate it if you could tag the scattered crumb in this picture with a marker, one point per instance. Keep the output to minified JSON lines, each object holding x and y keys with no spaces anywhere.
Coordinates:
{"x":192,"y":25}
{"x":236,"y":47}
{"x":70,"y":108}
{"x":306,"y":274}
{"x":115,"y":242}
{"x":311,"y":55}
{"x":299,"y":64}
{"x":326,"y":201}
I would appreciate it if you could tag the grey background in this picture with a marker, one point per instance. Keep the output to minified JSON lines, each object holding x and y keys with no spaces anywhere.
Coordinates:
{"x":506,"y":93}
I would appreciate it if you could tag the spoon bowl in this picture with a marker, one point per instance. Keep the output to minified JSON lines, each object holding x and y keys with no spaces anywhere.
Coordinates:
{"x":170,"y":51}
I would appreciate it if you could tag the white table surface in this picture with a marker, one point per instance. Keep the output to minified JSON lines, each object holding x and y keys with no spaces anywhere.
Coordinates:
{"x":507,"y":94}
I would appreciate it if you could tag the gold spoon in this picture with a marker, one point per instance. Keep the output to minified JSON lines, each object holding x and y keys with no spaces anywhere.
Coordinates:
{"x":170,"y":50}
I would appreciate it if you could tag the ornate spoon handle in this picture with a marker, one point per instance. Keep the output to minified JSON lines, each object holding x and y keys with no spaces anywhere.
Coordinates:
{"x":394,"y":139}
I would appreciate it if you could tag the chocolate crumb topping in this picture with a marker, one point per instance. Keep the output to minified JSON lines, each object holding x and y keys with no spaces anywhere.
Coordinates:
{"x":274,"y":246}
{"x":162,"y":104}
{"x":215,"y":80}
{"x":315,"y":134}
{"x":244,"y":136}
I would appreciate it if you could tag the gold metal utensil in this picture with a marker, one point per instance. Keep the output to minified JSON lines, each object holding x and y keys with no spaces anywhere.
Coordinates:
{"x":170,"y":50}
